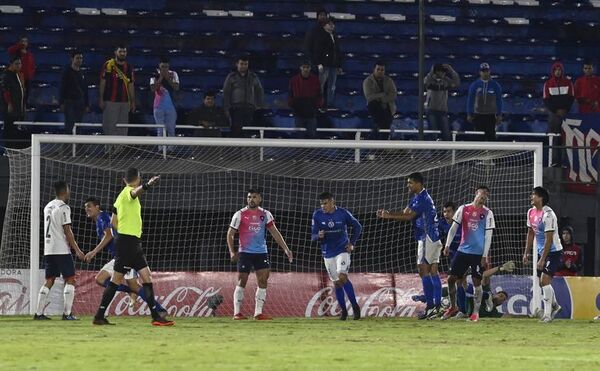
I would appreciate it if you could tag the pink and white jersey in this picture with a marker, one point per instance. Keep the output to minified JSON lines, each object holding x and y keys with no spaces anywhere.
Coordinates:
{"x":252,"y":224}
{"x":474,"y":222}
{"x":542,"y":221}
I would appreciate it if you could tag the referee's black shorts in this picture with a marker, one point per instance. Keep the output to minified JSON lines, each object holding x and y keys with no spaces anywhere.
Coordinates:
{"x":129,"y":254}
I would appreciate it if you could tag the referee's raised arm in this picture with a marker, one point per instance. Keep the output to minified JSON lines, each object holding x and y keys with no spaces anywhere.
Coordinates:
{"x":139,"y":190}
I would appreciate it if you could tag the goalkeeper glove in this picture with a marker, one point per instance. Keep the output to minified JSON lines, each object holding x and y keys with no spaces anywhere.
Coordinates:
{"x":509,"y":266}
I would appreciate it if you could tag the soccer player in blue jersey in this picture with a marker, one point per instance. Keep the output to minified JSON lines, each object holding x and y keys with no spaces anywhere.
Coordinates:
{"x":542,"y":225}
{"x":477,"y":223}
{"x":421,"y":211}
{"x":330,"y":227}
{"x":106,"y":235}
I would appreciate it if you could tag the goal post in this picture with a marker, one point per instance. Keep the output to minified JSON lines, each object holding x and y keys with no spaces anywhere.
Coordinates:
{"x":365,"y":174}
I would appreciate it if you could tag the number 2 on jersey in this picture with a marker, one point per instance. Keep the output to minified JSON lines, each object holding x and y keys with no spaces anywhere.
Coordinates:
{"x":48,"y":220}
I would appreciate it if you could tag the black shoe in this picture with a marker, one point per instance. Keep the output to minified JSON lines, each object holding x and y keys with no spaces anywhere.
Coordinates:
{"x":41,"y":317}
{"x":162,"y":313}
{"x":101,"y":321}
{"x":70,"y":317}
{"x":344,"y":315}
{"x":426,"y":313}
{"x":434,"y":313}
{"x":356,"y":310}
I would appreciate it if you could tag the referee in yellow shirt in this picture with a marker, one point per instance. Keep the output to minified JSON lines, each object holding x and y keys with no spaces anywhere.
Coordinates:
{"x":127,"y":220}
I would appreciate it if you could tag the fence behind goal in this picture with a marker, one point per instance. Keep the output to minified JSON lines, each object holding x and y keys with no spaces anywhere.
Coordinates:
{"x":204,"y":182}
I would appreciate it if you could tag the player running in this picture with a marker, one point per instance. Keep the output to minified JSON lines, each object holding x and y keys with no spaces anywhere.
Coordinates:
{"x":251,"y":222}
{"x":330,"y":227}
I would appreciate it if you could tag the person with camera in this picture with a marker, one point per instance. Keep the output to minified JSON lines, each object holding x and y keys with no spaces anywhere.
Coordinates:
{"x":438,"y":81}
{"x":164,"y":84}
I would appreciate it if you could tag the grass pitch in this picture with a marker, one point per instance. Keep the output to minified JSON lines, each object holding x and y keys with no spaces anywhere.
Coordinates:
{"x":299,"y":344}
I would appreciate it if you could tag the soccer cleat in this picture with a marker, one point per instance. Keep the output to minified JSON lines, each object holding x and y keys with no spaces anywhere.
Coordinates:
{"x":344,"y":315}
{"x":162,"y":313}
{"x":474,"y":317}
{"x":239,"y":317}
{"x":546,"y":319}
{"x":538,"y":313}
{"x":418,"y":298}
{"x":434,"y":313}
{"x":162,"y":322}
{"x":101,"y":322}
{"x":41,"y":317}
{"x":424,"y":314}
{"x":263,"y":317}
{"x":597,"y":318}
{"x":459,"y":315}
{"x":356,"y":311}
{"x":450,"y":313}
{"x":555,"y":310}
{"x":69,"y":317}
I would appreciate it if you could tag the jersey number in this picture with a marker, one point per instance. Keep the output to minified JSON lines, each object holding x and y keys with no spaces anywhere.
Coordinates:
{"x":48,"y":221}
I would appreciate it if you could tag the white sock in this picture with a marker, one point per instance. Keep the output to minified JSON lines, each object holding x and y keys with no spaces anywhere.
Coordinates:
{"x":238,"y":298}
{"x":261,"y":295}
{"x":69,"y":294}
{"x":42,"y":297}
{"x":548,"y":292}
{"x":477,"y":296}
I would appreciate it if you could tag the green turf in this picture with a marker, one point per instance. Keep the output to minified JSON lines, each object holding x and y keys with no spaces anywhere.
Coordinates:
{"x":299,"y":344}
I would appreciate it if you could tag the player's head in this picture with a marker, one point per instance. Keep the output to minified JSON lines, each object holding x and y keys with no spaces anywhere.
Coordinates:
{"x":327,"y":202}
{"x":499,"y":298}
{"x":242,"y":64}
{"x":449,"y":210}
{"x":253,"y":198}
{"x":482,"y":195}
{"x":132,"y":177}
{"x":61,"y":190}
{"x":121,"y":53}
{"x":414,"y":182}
{"x":92,"y":207}
{"x":540,"y":197}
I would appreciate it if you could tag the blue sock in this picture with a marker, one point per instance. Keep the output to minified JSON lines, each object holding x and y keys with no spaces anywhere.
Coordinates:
{"x":428,"y":290}
{"x":437,"y":290}
{"x":420,"y":298}
{"x":142,"y":296}
{"x":339,"y":294}
{"x":461,"y":299}
{"x":122,"y":288}
{"x":349,"y":289}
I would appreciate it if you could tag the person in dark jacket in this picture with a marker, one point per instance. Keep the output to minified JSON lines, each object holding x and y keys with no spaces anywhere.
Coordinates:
{"x":438,"y":81}
{"x":327,"y":56}
{"x":13,"y":100}
{"x":484,"y":103}
{"x":558,"y":99}
{"x":380,"y":93}
{"x":209,"y":116}
{"x":305,"y":98}
{"x":28,"y":67}
{"x":571,"y":259}
{"x":73,"y":98}
{"x":311,"y":34}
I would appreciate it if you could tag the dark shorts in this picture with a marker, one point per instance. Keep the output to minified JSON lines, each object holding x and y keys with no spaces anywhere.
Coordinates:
{"x":247,"y":262}
{"x":553,"y":263}
{"x":462,"y":262}
{"x":129,"y":254}
{"x":57,"y":265}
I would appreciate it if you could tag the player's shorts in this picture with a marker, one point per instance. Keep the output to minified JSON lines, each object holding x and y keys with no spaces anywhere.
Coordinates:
{"x":553,"y":263}
{"x":57,"y":265}
{"x":110,"y":268}
{"x":129,"y":254}
{"x":248,"y":261}
{"x":462,"y":262}
{"x":428,"y":252}
{"x":336,"y":265}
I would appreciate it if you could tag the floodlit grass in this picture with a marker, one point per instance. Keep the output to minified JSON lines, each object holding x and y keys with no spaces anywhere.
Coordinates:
{"x":299,"y":344}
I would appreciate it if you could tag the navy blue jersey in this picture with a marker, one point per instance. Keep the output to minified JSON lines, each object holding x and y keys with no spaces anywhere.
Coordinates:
{"x":335,"y":226}
{"x":444,"y":227}
{"x":425,"y":224}
{"x":103,"y":222}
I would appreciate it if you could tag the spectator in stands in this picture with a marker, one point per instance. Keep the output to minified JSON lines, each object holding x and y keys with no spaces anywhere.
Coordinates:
{"x":311,"y":34}
{"x":587,"y":90}
{"x":558,"y":98}
{"x":326,"y":55}
{"x":209,"y":116}
{"x":571,"y":256}
{"x":242,"y":96}
{"x":380,"y":93}
{"x":117,"y":94}
{"x":438,"y":81}
{"x":484,"y":103}
{"x":73,"y":98}
{"x":13,"y":100}
{"x":164,"y":84}
{"x":27,"y":61}
{"x":305,"y":98}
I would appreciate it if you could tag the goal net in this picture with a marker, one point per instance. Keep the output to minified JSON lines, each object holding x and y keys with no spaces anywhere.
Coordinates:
{"x":204,"y":182}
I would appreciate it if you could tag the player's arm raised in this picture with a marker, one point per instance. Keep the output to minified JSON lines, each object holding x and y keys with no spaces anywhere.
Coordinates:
{"x":139,"y":190}
{"x":528,"y":245}
{"x":405,"y":216}
{"x":280,"y":241}
{"x":230,"y":245}
{"x":106,"y":239}
{"x":71,"y":240}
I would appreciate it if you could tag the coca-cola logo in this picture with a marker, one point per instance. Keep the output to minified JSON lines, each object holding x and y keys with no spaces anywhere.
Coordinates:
{"x":14,"y":297}
{"x":183,"y":301}
{"x":385,"y":302}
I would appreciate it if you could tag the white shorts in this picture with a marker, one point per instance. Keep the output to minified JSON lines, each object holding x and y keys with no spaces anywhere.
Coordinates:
{"x":428,"y":252}
{"x":110,"y":268}
{"x":336,"y":265}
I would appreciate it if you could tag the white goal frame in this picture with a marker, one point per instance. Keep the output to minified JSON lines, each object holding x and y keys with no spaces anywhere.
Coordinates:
{"x":38,"y":139}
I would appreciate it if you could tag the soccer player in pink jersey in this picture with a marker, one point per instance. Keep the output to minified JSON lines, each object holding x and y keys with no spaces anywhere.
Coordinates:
{"x":251,"y":223}
{"x":477,"y":224}
{"x":542,"y":225}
